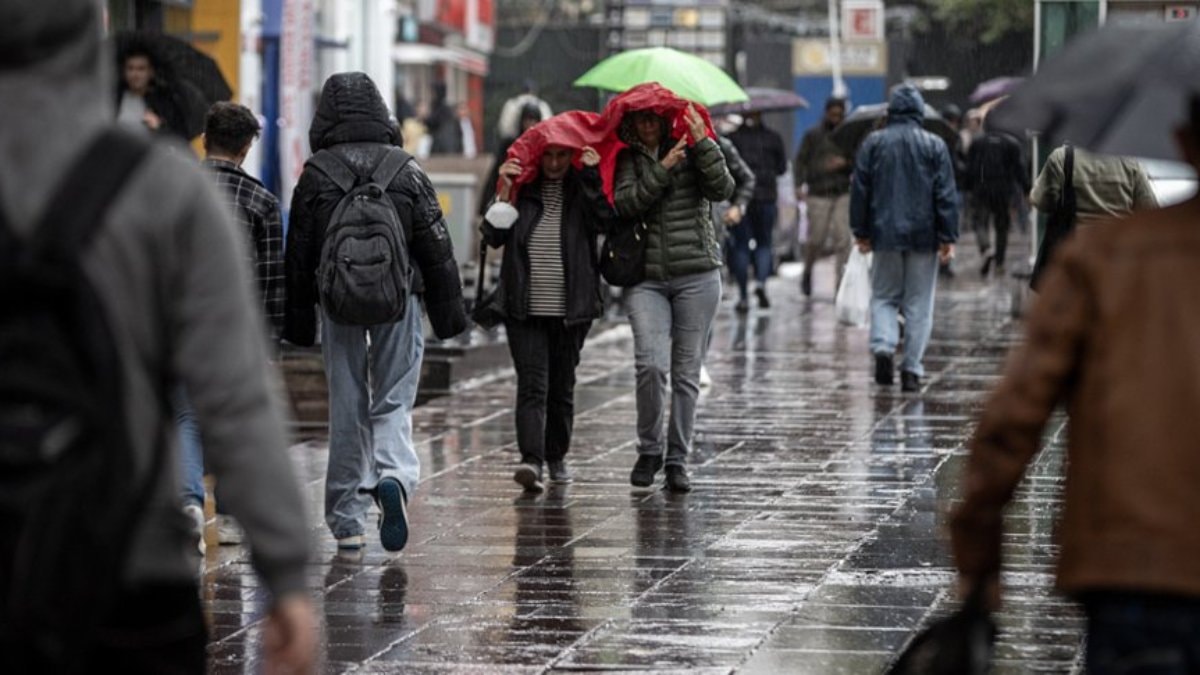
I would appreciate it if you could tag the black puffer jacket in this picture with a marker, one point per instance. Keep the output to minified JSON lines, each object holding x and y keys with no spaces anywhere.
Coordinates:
{"x":352,"y":123}
{"x":674,"y":204}
{"x":586,"y":213}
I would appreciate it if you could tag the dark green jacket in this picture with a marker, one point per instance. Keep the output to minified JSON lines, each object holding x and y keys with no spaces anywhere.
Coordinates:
{"x":675,"y":205}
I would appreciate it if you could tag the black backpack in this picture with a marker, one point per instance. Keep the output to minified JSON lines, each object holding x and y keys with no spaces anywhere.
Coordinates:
{"x":70,"y":498}
{"x":364,"y":277}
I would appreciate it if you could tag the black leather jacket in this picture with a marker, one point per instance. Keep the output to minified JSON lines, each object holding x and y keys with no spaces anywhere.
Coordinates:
{"x":352,"y":123}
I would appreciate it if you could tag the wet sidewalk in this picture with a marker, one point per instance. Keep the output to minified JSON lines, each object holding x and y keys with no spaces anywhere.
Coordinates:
{"x":813,"y":542}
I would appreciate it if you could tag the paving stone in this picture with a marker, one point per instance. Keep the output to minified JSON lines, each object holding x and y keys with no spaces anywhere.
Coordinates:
{"x":814,"y":541}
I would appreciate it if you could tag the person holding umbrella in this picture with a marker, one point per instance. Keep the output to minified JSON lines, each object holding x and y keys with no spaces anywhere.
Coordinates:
{"x":144,"y":99}
{"x":668,"y":187}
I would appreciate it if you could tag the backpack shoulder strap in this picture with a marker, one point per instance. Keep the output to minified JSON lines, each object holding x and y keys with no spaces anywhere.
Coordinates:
{"x":391,"y":164}
{"x":76,"y":210}
{"x":335,"y":169}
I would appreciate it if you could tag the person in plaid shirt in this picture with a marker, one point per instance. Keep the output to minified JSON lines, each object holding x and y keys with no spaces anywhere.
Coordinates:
{"x":229,"y":130}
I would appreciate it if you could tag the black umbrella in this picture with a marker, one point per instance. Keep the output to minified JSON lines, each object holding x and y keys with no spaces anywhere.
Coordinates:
{"x":762,"y":99}
{"x":867,"y":118}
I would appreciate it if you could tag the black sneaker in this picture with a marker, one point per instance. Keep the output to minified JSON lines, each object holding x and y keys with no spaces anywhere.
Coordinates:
{"x":987,"y":266}
{"x":529,"y":476}
{"x":644,"y":471}
{"x":806,"y":284}
{"x":393,"y":521}
{"x":677,"y":479}
{"x":909,"y":381}
{"x":742,"y":306}
{"x":763,"y":301}
{"x":559,"y":473}
{"x":884,"y":371}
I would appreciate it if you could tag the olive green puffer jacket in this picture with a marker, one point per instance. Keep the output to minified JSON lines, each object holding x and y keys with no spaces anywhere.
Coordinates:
{"x":675,"y":206}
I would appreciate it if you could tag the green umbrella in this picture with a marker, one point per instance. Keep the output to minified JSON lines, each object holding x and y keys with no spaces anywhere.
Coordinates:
{"x":690,"y":77}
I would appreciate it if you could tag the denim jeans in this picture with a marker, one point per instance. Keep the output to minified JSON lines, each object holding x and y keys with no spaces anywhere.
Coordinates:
{"x":373,"y":373}
{"x":545,"y":353}
{"x":757,"y":225}
{"x":1142,"y":633}
{"x":903,"y":281}
{"x":671,"y":322}
{"x":191,"y":452}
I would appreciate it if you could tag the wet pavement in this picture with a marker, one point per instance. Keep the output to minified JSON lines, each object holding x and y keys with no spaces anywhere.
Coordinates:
{"x":813,"y":542}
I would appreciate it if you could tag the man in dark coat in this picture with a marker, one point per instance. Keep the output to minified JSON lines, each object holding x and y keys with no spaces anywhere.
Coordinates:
{"x":996,"y":178}
{"x":904,"y":207}
{"x":443,"y":124}
{"x":762,"y":149}
{"x":370,"y":434}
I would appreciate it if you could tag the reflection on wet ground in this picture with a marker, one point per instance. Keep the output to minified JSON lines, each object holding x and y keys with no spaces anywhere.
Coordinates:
{"x":813,"y":542}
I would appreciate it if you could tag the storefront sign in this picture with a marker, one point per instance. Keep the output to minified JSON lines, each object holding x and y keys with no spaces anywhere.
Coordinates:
{"x":862,"y":20}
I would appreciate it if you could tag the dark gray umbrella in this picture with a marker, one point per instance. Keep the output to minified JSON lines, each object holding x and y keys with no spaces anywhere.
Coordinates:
{"x":1121,"y":90}
{"x":762,"y":99}
{"x":867,"y":118}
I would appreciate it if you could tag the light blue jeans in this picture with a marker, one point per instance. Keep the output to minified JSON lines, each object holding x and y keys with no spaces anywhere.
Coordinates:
{"x":671,"y":321}
{"x":903,"y":281}
{"x":373,"y":374}
{"x":191,"y":452}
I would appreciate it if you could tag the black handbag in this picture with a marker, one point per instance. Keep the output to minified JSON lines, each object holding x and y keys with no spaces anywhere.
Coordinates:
{"x":487,"y":311}
{"x":960,"y":644}
{"x":1061,"y":223}
{"x":623,"y":256}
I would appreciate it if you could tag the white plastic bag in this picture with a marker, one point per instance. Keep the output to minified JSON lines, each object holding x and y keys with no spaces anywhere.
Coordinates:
{"x":854,"y":294}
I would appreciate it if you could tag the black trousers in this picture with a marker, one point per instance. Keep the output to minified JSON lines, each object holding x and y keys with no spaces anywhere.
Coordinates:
{"x":545,"y":353}
{"x":1001,"y":217}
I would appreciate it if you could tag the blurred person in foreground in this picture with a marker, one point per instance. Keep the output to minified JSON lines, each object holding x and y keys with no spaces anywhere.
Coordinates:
{"x":1112,"y":337}
{"x":373,"y":370}
{"x":822,"y":178}
{"x":551,"y":288}
{"x":167,"y":264}
{"x":904,"y":209}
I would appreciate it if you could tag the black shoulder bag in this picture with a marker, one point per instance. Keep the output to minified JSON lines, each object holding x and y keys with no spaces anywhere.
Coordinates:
{"x":487,"y":311}
{"x":623,"y":256}
{"x":1061,"y":223}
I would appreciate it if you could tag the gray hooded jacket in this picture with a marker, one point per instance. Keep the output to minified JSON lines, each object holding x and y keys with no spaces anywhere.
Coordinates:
{"x":170,"y":268}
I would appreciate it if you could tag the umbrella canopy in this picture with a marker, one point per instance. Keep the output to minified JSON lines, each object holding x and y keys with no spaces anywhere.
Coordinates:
{"x":867,"y":118}
{"x":995,"y":88}
{"x":762,"y":99}
{"x":1121,"y":90}
{"x":690,"y":77}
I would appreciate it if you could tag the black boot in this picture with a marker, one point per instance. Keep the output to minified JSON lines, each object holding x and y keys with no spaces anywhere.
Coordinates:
{"x":884,"y":372}
{"x":909,"y":381}
{"x":677,"y":479}
{"x":644,"y":471}
{"x":763,"y":301}
{"x":806,"y":283}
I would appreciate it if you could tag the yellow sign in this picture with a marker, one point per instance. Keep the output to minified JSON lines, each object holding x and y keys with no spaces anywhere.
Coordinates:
{"x":445,"y":203}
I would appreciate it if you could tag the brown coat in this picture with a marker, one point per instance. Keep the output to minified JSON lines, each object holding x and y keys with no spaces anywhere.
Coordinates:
{"x":1115,"y":336}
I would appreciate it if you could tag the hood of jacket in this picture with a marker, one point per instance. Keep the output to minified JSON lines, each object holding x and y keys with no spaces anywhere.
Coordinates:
{"x":906,"y":105}
{"x":351,"y":110}
{"x":55,"y":75}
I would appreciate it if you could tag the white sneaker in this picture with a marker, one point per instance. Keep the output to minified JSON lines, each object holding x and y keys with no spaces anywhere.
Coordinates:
{"x":351,"y":543}
{"x":229,"y":533}
{"x":196,"y":513}
{"x":705,"y":379}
